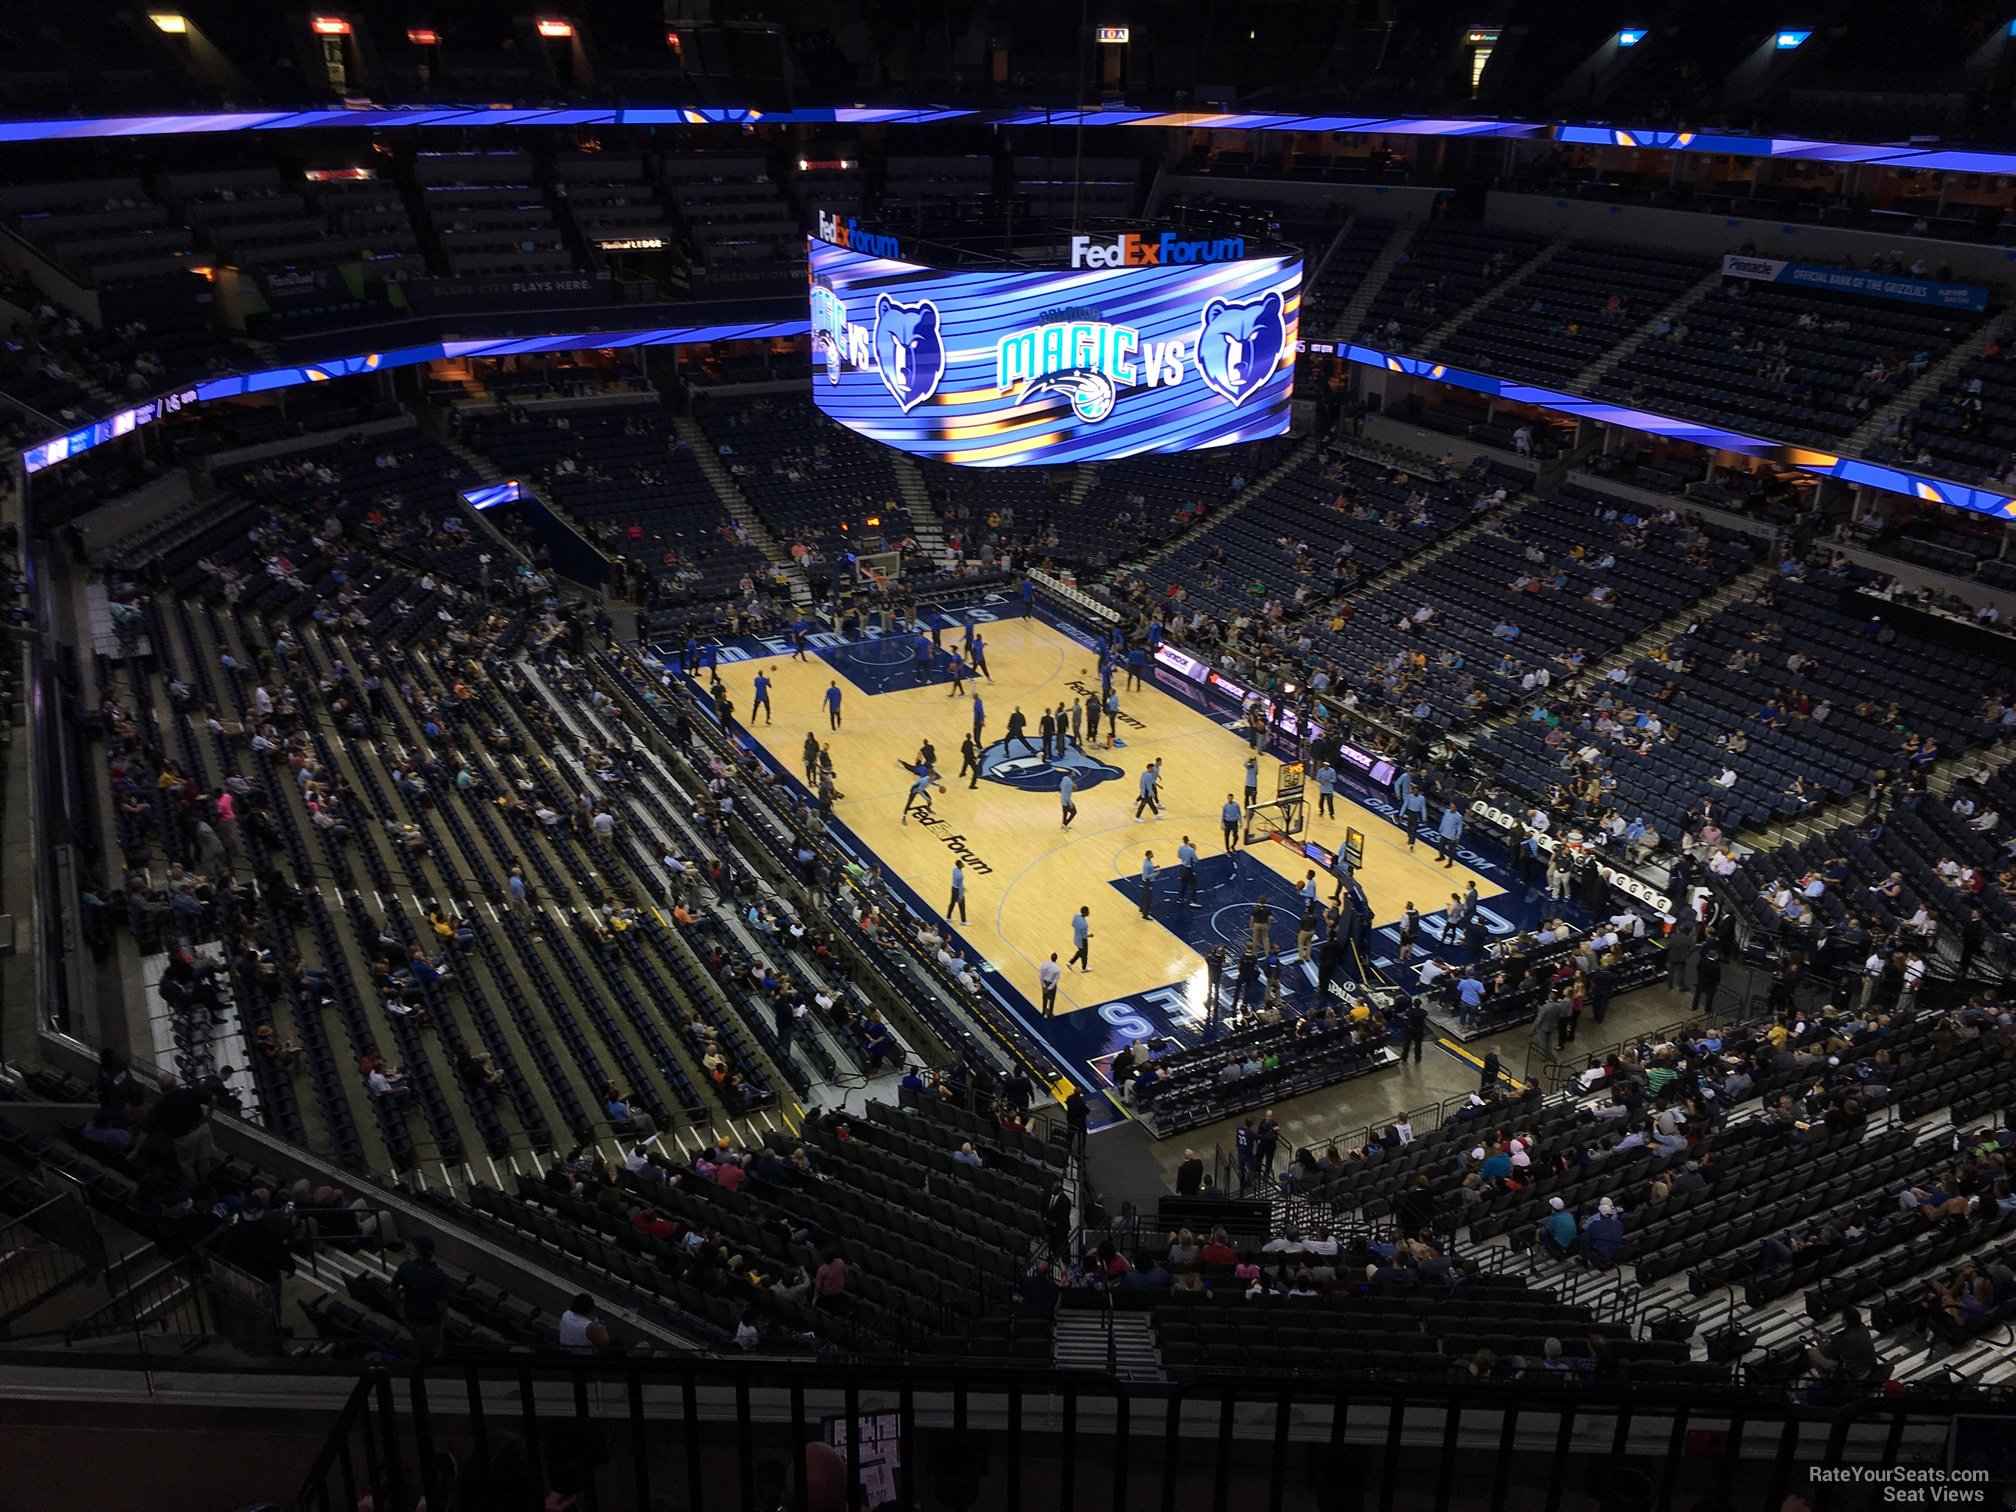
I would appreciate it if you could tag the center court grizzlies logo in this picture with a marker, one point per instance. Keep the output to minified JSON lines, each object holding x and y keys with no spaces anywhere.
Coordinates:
{"x":1239,"y":344}
{"x":909,"y":351}
{"x":1090,"y":391}
{"x":1041,"y":774}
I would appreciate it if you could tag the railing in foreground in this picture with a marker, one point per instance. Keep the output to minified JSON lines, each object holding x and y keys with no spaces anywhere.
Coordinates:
{"x":737,"y":1436}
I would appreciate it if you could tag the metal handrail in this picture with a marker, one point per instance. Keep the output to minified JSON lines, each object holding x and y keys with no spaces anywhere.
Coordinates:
{"x":718,"y":1415}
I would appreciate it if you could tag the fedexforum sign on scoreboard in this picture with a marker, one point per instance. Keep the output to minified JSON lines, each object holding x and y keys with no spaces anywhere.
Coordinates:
{"x":1141,"y":342}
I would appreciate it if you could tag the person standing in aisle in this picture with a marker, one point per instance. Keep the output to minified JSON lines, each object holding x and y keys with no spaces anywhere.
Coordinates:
{"x":1048,"y":974}
{"x":1267,"y":1143}
{"x":958,"y":898}
{"x":762,"y":698}
{"x":833,"y":704}
{"x":1081,"y":939}
{"x":1186,"y":876}
{"x":1147,"y":882}
{"x":1229,"y":815}
{"x":1067,"y":793}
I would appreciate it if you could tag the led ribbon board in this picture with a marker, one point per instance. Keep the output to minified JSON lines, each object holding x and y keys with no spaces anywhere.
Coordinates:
{"x":1700,"y":433}
{"x":1928,"y":157}
{"x":62,"y":448}
{"x":1033,"y":366}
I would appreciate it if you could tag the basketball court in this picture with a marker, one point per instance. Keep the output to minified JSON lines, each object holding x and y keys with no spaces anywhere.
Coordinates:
{"x":1026,"y":874}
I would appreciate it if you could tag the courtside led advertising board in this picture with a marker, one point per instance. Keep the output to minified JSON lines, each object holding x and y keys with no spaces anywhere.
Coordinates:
{"x":1019,"y":365}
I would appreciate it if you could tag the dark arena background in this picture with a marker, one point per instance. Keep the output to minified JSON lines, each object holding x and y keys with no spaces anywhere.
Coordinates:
{"x":927,"y":756}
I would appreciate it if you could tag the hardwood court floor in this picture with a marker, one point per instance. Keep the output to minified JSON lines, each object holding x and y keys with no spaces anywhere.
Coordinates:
{"x":1039,"y":874}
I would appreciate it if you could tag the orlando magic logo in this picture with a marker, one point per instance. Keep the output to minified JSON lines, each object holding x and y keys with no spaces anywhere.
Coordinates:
{"x":1090,"y":391}
{"x":1042,"y":774}
{"x":1239,"y":345}
{"x":909,"y":351}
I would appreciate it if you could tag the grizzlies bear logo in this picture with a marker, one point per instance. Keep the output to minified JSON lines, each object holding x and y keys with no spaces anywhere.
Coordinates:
{"x":1034,"y":773}
{"x":909,"y":351}
{"x":1239,"y":344}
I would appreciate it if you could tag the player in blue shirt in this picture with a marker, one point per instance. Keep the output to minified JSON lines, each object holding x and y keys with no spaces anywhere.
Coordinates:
{"x":978,"y":652}
{"x":762,"y":698}
{"x":832,"y":702}
{"x":1148,"y":870}
{"x":979,"y":722}
{"x":1186,"y":880}
{"x":1230,"y":815}
{"x":1081,"y":939}
{"x":920,"y":787}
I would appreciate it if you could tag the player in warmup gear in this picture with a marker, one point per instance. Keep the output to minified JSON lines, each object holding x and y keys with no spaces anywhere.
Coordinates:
{"x":969,"y":760}
{"x":923,"y":780}
{"x":1186,"y":878}
{"x":979,"y":722}
{"x":1147,"y":882}
{"x":1081,"y":938}
{"x":1049,"y":973}
{"x":978,"y":652}
{"x":1252,"y":780}
{"x":1230,"y":815}
{"x":1066,"y":795}
{"x":832,"y":701}
{"x":958,"y":898}
{"x":762,"y":698}
{"x":1151,"y":794}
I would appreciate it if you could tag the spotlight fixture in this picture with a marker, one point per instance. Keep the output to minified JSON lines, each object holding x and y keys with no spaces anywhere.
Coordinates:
{"x":1631,"y":36}
{"x":174,"y":25}
{"x":556,"y":31}
{"x":329,"y":26}
{"x":421,"y":36}
{"x":1785,"y":41}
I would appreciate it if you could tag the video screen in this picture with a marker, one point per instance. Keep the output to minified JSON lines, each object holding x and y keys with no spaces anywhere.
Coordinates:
{"x":1018,"y":366}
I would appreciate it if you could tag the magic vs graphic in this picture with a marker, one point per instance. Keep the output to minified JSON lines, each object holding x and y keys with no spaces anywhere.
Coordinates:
{"x":1004,"y":366}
